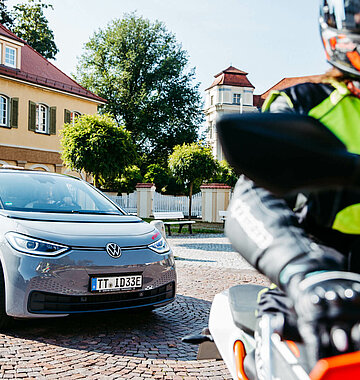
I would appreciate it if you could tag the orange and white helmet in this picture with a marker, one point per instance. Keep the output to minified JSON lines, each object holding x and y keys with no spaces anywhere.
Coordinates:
{"x":340,"y":32}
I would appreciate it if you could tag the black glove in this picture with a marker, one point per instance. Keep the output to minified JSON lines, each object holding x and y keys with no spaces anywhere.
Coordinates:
{"x":328,"y":309}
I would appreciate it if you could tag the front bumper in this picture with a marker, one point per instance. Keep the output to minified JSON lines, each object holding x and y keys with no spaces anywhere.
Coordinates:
{"x":50,"y":303}
{"x":38,"y":287}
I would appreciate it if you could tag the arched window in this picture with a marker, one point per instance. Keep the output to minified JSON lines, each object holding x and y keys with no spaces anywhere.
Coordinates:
{"x":40,"y":167}
{"x":42,"y":118}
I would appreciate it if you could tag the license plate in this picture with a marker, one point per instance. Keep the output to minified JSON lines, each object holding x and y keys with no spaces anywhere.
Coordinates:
{"x":100,"y":284}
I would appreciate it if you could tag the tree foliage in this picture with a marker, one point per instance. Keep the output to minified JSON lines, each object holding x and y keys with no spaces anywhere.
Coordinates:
{"x":31,"y":25}
{"x":98,"y":146}
{"x":158,"y":175}
{"x":140,"y":68}
{"x":174,"y":187}
{"x":5,"y":16}
{"x":190,"y":163}
{"x":125,"y":182}
{"x":225,"y":174}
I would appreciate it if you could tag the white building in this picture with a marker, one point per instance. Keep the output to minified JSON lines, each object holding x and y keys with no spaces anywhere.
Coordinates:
{"x":231,"y":92}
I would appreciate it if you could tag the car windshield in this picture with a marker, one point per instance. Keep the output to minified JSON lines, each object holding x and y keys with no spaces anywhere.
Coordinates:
{"x":40,"y":192}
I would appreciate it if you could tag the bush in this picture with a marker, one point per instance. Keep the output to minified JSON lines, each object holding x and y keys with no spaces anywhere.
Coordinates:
{"x":97,"y":145}
{"x":125,"y":183}
{"x":158,"y":175}
{"x":224,"y":174}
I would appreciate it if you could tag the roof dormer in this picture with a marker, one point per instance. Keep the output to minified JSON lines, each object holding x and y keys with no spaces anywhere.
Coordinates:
{"x":10,"y":52}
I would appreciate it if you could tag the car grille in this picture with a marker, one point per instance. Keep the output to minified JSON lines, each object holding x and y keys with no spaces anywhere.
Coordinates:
{"x":49,"y":303}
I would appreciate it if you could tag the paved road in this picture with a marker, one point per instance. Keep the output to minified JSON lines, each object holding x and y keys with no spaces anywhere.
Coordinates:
{"x":133,"y":345}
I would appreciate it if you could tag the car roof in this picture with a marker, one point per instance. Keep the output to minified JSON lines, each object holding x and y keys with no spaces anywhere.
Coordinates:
{"x":17,"y":169}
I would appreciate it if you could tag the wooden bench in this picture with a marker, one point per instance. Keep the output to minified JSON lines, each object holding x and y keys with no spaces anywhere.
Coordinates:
{"x":173,"y":215}
{"x":223,"y":214}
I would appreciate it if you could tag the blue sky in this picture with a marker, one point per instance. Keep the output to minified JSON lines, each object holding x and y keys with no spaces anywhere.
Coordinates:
{"x":269,"y":39}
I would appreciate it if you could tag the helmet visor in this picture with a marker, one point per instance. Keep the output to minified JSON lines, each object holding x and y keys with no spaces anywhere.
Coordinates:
{"x":341,"y":14}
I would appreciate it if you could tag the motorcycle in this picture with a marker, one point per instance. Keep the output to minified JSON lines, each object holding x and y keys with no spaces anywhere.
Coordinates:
{"x":268,"y":348}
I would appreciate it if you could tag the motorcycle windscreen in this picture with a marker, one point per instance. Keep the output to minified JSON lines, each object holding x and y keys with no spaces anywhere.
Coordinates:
{"x":286,"y":152}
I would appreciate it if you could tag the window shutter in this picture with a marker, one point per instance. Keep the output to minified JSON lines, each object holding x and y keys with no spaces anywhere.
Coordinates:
{"x":52,"y":125}
{"x":67,"y":116}
{"x":14,"y":113}
{"x":32,"y":116}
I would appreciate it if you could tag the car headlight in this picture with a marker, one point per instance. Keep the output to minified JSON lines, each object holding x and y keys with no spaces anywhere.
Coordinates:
{"x":160,"y":246}
{"x":34,"y":246}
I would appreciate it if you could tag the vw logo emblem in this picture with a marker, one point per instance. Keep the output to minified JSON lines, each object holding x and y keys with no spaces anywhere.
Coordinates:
{"x":113,"y":250}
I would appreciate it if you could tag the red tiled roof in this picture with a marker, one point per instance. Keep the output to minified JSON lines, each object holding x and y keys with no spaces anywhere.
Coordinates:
{"x":215,"y":186}
{"x":232,"y":77}
{"x":288,"y":82}
{"x":231,"y":70}
{"x":7,"y":33}
{"x":285,"y":83}
{"x":144,"y":185}
{"x":38,"y":70}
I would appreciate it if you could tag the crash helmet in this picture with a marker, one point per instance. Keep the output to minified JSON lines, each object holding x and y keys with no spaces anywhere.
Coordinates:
{"x":340,"y":32}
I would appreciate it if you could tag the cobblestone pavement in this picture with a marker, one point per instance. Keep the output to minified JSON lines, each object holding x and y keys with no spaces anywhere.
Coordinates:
{"x":133,"y":345}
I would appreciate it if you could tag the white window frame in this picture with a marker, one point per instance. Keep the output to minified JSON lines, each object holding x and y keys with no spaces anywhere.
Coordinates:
{"x":11,"y":63}
{"x":42,"y":118}
{"x":4,"y":113}
{"x":73,"y":116}
{"x":237,"y":98}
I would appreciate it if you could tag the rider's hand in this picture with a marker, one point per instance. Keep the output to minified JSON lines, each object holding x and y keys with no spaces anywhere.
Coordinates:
{"x":328,"y":309}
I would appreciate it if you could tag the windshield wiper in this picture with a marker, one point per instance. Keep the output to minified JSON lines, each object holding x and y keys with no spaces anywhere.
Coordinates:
{"x":95,"y":212}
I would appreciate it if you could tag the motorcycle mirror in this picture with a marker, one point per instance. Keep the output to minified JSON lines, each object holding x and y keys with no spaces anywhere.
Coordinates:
{"x":286,"y":152}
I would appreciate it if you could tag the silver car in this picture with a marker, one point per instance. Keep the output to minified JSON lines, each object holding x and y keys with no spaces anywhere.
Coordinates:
{"x":66,"y":248}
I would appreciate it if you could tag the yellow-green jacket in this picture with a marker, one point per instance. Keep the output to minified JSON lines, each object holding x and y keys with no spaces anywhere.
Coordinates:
{"x":339,"y":110}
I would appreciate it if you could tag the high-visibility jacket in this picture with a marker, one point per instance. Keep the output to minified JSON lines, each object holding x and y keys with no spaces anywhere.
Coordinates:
{"x":338,"y":109}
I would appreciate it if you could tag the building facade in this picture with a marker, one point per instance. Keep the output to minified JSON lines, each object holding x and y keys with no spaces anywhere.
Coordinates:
{"x":36,"y":99}
{"x":231,"y":92}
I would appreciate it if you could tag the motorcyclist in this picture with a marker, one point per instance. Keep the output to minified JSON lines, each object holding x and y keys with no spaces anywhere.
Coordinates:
{"x":313,"y":255}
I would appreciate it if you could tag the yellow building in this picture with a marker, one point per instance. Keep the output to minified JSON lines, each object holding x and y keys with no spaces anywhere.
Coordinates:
{"x":36,"y":99}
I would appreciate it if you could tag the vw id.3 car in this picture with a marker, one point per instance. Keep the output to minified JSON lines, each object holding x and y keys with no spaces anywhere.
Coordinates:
{"x":66,"y":248}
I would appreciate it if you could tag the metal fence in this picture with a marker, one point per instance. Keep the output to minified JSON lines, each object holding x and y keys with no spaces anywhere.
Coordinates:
{"x":164,"y":203}
{"x":128,"y":202}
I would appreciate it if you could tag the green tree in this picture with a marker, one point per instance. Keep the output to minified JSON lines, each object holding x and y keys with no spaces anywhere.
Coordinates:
{"x":98,"y":146}
{"x":140,"y":68}
{"x":225,"y":174}
{"x":158,"y":175}
{"x":124,"y":183}
{"x":5,"y":16}
{"x":174,"y":187}
{"x":31,"y":25}
{"x":191,"y":163}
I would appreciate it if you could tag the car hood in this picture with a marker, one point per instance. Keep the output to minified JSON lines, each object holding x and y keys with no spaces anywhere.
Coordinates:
{"x":78,"y":230}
